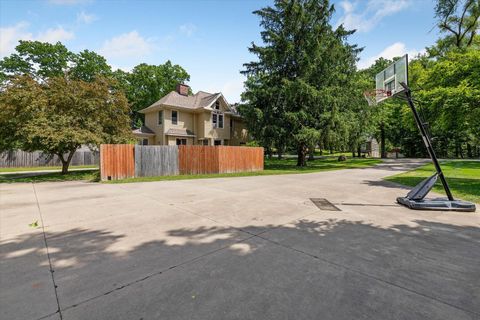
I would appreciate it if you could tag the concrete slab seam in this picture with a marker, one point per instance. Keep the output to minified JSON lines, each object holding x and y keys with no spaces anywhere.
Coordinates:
{"x":180,"y":264}
{"x":59,"y":311}
{"x":47,"y":316}
{"x":370,"y":276}
{"x":154,"y":274}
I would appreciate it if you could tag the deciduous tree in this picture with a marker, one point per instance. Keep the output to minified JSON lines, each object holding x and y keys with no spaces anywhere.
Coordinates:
{"x":146,"y":83}
{"x":60,"y":114}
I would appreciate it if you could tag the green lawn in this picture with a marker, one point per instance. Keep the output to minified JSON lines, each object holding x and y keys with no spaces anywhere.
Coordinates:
{"x":272,"y":167}
{"x":463,"y":177}
{"x":90,"y":175}
{"x":44,"y":168}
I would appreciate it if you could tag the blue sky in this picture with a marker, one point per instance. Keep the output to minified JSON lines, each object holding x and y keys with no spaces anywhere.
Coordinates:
{"x":208,"y":38}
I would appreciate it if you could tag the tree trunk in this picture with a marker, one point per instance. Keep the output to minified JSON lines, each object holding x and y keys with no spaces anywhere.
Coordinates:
{"x":382,"y":141}
{"x":66,"y":162}
{"x":280,"y":152}
{"x":301,"y":155}
{"x":469,"y":151}
{"x":311,"y":154}
{"x":359,"y":151}
{"x":269,"y":153}
{"x":353,"y":152}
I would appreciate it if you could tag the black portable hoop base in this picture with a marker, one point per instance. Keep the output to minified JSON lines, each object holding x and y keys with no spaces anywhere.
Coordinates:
{"x":415,"y":199}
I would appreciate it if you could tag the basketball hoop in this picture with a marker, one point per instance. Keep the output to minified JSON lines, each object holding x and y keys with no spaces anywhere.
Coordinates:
{"x":375,"y":96}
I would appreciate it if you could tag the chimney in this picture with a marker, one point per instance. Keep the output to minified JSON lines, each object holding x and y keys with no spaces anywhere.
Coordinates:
{"x":182,"y":89}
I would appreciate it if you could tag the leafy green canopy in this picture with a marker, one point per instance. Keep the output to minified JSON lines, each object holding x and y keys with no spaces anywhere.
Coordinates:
{"x":295,"y":92}
{"x":452,"y":97}
{"x":60,"y":114}
{"x":144,"y":85}
{"x":459,"y":19}
{"x":43,"y":60}
{"x":446,"y":89}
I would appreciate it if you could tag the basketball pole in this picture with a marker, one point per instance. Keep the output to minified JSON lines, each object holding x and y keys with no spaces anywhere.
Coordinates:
{"x":426,"y":140}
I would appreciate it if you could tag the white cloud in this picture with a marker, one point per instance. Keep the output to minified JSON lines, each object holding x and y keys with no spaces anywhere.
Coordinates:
{"x":9,"y":36}
{"x":397,"y":49}
{"x":188,"y":29}
{"x":231,"y":87}
{"x":130,"y":44}
{"x":86,"y":18}
{"x":232,"y":90}
{"x":54,"y":35}
{"x":366,"y":18}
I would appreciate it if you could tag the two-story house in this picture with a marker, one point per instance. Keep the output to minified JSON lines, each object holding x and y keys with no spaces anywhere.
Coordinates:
{"x":201,"y":119}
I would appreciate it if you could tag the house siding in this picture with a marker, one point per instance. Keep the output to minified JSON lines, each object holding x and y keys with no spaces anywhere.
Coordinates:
{"x":217,"y":133}
{"x":239,"y":134}
{"x":184,"y":120}
{"x":151,"y":121}
{"x":198,"y":122}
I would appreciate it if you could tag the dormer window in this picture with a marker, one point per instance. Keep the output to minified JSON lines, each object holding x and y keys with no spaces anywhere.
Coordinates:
{"x":217,"y":105}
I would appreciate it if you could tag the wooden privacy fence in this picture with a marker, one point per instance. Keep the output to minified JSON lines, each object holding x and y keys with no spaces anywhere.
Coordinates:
{"x":151,"y":161}
{"x":117,"y":161}
{"x":126,"y":161}
{"x":19,"y":158}
{"x":219,"y":159}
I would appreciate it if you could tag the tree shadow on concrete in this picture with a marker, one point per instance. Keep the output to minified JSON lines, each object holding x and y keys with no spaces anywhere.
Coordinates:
{"x":386,"y":184}
{"x":428,"y":259}
{"x":397,"y":165}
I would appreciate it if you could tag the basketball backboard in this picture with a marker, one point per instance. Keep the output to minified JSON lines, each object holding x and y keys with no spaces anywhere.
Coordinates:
{"x":388,"y":80}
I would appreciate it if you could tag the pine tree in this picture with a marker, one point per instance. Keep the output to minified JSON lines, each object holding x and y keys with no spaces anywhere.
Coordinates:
{"x":296,"y":89}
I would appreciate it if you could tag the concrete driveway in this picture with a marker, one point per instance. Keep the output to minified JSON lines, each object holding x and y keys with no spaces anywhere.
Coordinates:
{"x":235,"y":248}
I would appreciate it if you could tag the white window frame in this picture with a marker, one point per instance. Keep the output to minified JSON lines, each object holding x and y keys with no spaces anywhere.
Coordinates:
{"x":223,"y":121}
{"x":181,"y":141}
{"x":216,"y":120}
{"x":160,"y":118}
{"x":176,"y":118}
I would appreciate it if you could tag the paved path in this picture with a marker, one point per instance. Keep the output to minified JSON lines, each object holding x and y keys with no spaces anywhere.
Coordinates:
{"x":235,"y":248}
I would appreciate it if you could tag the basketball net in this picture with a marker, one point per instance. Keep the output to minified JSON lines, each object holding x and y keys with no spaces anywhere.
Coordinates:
{"x":374,"y":96}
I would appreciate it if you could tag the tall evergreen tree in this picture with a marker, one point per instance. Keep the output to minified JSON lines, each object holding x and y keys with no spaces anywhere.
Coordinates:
{"x":296,"y":88}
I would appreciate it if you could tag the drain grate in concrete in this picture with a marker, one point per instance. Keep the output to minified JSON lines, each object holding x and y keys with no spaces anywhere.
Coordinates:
{"x":324,"y":204}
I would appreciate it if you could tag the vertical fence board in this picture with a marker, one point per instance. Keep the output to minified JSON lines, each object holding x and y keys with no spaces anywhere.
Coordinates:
{"x":219,"y":159}
{"x":117,"y":161}
{"x":153,"y":161}
{"x":124,"y":161}
{"x":20,"y":158}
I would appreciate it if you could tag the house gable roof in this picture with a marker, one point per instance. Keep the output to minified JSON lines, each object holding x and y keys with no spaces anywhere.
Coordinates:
{"x":180,"y":132}
{"x":200,"y":100}
{"x":143,"y":130}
